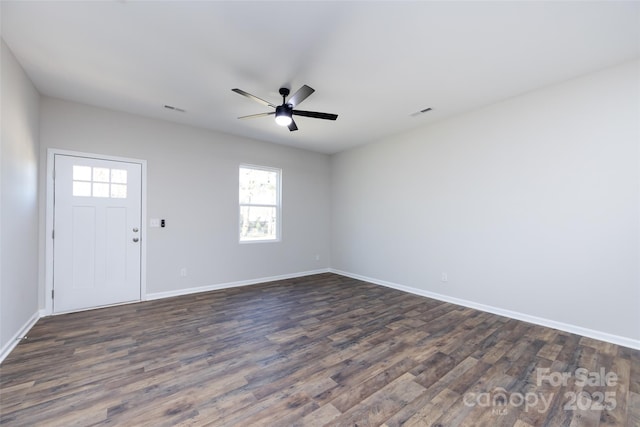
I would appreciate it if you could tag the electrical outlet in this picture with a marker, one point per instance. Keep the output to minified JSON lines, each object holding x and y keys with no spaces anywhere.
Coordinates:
{"x":183,"y":272}
{"x":317,"y":257}
{"x":444,"y":277}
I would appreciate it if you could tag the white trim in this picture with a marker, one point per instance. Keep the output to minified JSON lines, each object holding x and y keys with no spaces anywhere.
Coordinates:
{"x":207,"y":288}
{"x":15,"y":339}
{"x":98,"y":307}
{"x":48,"y":259}
{"x":566,"y":327}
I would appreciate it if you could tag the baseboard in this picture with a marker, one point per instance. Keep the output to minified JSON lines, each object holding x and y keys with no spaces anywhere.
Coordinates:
{"x":578,"y":330}
{"x":207,"y":288}
{"x":22,"y":332}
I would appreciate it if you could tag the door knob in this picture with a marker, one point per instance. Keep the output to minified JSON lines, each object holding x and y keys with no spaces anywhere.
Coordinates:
{"x":135,"y":229}
{"x":135,"y":239}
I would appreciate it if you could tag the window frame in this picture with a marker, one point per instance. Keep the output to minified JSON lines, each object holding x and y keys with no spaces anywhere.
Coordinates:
{"x":277,"y":206}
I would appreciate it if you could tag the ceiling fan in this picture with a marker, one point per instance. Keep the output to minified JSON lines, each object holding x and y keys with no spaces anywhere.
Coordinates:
{"x":284,"y":113}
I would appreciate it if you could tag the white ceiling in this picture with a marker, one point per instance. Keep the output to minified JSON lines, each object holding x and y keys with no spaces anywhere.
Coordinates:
{"x":372,"y":63}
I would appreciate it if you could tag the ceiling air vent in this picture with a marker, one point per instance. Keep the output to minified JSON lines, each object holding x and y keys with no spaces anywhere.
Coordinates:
{"x":417,"y":113}
{"x":171,"y":107}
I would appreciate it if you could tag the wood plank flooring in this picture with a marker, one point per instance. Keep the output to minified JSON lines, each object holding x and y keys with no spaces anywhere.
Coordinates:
{"x":313,"y":351}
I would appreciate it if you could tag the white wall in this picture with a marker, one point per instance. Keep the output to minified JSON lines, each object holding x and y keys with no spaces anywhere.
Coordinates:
{"x":530,"y":205}
{"x":18,"y":201}
{"x":193,"y":185}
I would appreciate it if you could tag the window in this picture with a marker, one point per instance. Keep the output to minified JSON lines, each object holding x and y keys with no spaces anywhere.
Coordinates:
{"x":259,"y":204}
{"x":99,"y":182}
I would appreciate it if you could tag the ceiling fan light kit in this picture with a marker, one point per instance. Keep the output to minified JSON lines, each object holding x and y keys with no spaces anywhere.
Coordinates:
{"x":284,"y":113}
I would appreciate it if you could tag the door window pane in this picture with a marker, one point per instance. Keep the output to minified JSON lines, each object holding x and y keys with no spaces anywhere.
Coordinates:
{"x":81,"y":173}
{"x":118,"y":191}
{"x":119,"y":176}
{"x":101,"y":174}
{"x":81,"y":189}
{"x":100,"y":189}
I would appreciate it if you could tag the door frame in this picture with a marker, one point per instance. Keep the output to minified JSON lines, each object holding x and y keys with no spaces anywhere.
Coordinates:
{"x":49,"y":217}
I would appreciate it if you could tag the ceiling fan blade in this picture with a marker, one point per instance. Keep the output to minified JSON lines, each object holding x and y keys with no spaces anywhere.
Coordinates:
{"x":292,"y":126}
{"x":252,"y":116}
{"x":300,"y":95}
{"x":315,"y":114}
{"x":255,"y":98}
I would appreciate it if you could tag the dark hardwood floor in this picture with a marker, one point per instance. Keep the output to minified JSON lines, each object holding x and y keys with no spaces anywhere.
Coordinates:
{"x":318,"y":350}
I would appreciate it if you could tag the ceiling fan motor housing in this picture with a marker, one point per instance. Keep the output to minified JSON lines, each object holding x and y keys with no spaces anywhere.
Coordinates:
{"x":284,"y":110}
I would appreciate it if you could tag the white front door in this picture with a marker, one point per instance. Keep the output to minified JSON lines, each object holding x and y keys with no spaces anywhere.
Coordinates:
{"x":97,"y":234}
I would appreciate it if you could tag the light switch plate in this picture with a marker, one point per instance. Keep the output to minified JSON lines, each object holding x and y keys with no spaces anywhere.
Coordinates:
{"x":154,"y":222}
